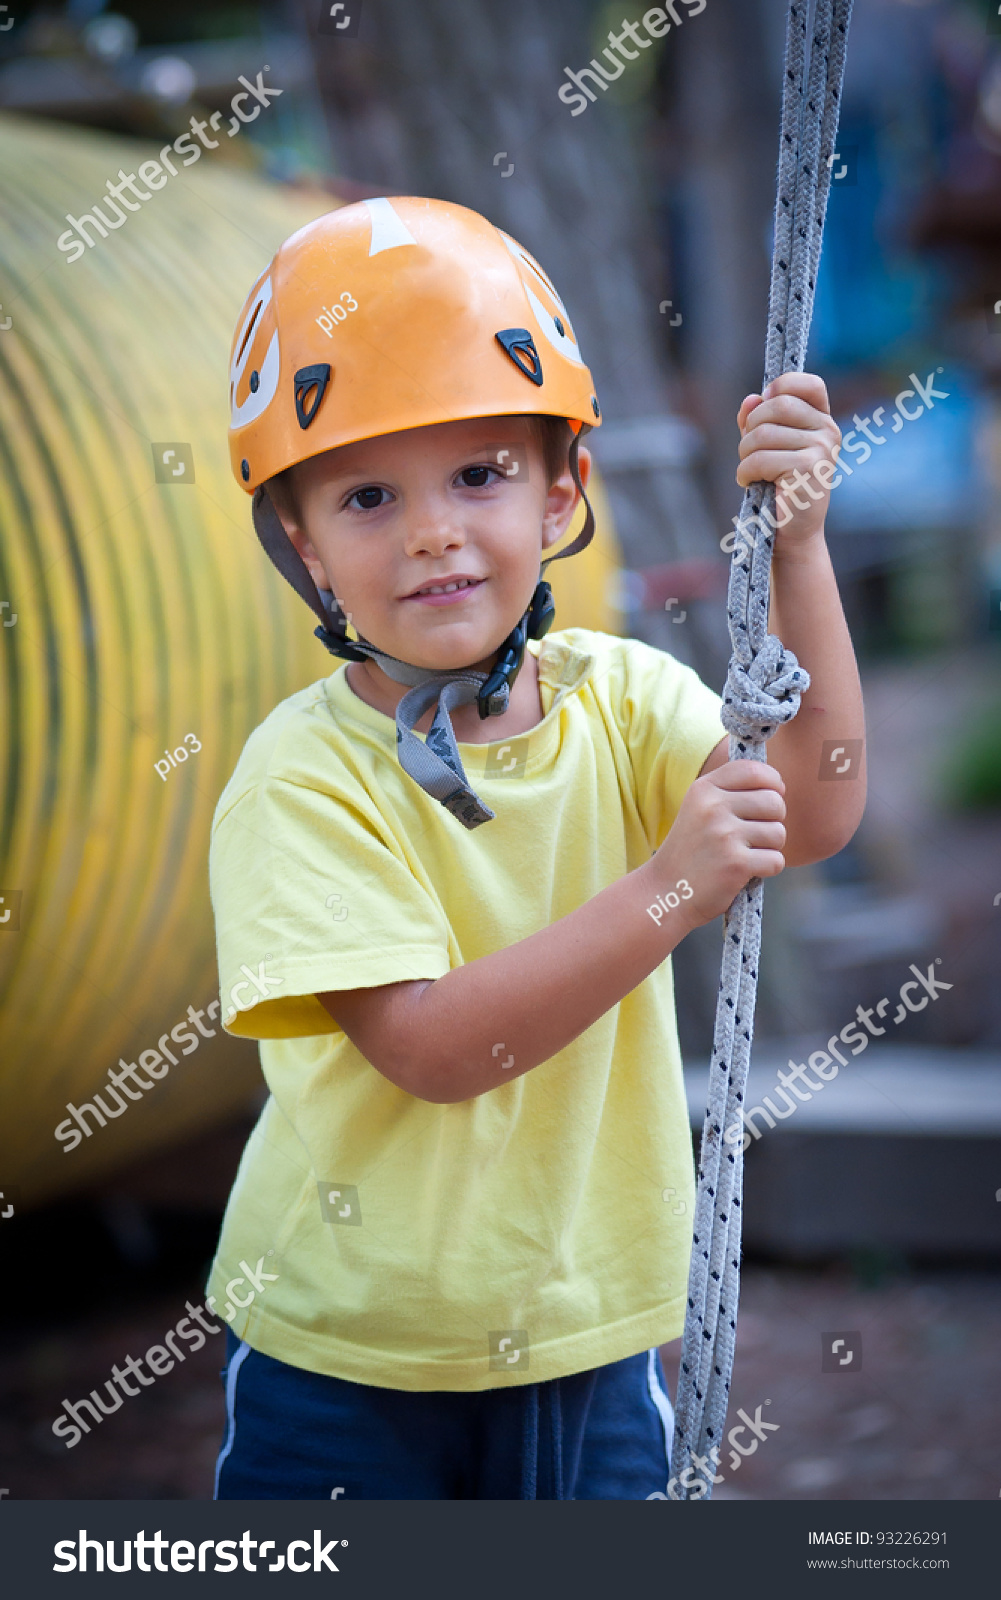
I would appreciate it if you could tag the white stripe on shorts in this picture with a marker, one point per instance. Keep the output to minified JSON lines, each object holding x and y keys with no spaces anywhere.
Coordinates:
{"x":232,"y":1371}
{"x":659,"y":1397}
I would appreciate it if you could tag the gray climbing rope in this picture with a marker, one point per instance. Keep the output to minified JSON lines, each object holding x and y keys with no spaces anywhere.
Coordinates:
{"x":762,"y":692}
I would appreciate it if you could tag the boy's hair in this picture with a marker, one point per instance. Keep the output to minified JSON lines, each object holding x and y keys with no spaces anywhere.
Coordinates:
{"x":553,"y":435}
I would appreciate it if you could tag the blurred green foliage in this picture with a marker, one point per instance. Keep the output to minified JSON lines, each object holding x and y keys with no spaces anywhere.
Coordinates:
{"x":973,"y":775}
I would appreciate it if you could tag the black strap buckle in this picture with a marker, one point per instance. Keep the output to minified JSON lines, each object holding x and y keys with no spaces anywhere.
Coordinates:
{"x":505,"y":669}
{"x":338,"y":646}
{"x":535,"y":624}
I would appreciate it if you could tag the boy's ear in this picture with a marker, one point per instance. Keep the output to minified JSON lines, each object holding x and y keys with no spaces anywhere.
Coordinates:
{"x":562,"y":499}
{"x":314,"y":565}
{"x":283,"y":502}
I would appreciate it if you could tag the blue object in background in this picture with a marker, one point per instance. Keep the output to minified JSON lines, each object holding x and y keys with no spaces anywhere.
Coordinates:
{"x":876,"y":299}
{"x":924,"y":476}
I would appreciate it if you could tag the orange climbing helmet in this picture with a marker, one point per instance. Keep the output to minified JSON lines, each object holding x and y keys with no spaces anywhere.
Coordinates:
{"x":391,"y":314}
{"x":395,"y":314}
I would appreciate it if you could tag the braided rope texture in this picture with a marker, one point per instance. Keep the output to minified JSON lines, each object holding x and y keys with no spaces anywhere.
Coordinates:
{"x":762,"y":692}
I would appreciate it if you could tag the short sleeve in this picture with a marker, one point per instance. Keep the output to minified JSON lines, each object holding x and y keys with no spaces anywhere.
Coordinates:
{"x":311,"y":894}
{"x":671,"y":724}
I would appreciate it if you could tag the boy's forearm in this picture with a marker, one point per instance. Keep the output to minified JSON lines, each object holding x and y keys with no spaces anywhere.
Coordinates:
{"x":806,"y":615}
{"x":484,"y":1024}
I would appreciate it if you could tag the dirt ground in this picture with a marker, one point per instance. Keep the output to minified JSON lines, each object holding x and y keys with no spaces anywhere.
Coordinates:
{"x":915,"y":1416}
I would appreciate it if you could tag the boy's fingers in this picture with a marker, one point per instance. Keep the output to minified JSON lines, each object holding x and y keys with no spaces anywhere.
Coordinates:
{"x":757,"y":805}
{"x":765,"y":863}
{"x":768,"y":466}
{"x":809,"y":385}
{"x":746,"y":774}
{"x":774,"y":436}
{"x":794,"y":411}
{"x":770,"y":835}
{"x":747,"y":405}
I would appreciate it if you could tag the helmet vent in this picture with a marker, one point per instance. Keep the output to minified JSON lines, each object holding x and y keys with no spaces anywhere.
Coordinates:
{"x":310,"y":381}
{"x":250,"y":328}
{"x":520,"y":346}
{"x":533,"y":266}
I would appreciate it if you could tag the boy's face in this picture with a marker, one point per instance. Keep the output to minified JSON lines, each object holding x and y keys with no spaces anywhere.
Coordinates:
{"x":378,"y":520}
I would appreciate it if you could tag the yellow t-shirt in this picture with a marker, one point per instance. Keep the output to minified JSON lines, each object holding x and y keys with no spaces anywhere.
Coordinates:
{"x":403,"y":1241}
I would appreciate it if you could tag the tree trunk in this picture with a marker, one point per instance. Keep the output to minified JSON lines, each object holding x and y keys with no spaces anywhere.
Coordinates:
{"x":723,"y":134}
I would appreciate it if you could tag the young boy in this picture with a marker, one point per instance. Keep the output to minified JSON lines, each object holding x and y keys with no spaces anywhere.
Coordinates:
{"x":461,"y":1227}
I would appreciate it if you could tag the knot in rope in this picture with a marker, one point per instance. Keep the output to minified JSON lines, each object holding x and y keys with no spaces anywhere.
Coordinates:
{"x":762,"y":696}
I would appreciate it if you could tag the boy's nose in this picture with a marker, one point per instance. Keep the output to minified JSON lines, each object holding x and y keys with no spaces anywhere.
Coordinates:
{"x":433,"y":532}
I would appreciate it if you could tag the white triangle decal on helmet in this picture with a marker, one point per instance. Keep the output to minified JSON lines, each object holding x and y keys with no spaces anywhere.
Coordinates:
{"x":388,"y":231}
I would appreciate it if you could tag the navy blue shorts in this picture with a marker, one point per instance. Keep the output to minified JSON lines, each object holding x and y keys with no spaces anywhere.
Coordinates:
{"x":297,"y":1435}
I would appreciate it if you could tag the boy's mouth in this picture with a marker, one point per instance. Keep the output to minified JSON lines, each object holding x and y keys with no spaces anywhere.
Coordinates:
{"x":447,"y":592}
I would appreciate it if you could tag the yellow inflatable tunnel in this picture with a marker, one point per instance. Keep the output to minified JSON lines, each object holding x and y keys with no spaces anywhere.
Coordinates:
{"x":144,"y":634}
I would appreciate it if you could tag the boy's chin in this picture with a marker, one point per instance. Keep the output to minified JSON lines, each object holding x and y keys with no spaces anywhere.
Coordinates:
{"x":454,"y":661}
{"x":480,"y":655}
{"x":474,"y":660}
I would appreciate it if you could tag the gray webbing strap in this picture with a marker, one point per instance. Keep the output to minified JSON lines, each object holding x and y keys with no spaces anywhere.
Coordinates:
{"x":282,"y":552}
{"x":435,"y":764}
{"x":763,"y":689}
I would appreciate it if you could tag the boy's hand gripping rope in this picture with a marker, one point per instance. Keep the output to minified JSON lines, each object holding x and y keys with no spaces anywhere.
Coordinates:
{"x":762,"y":691}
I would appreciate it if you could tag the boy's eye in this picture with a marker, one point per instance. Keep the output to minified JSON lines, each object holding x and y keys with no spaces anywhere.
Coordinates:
{"x":477,"y":477}
{"x":367,"y":499}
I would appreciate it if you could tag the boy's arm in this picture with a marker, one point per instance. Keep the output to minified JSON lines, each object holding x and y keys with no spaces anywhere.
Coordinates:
{"x":822,"y":812}
{"x":787,"y":436}
{"x":489,"y":1021}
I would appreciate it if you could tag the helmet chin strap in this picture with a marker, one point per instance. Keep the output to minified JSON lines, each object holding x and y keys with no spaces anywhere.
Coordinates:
{"x":434,"y":764}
